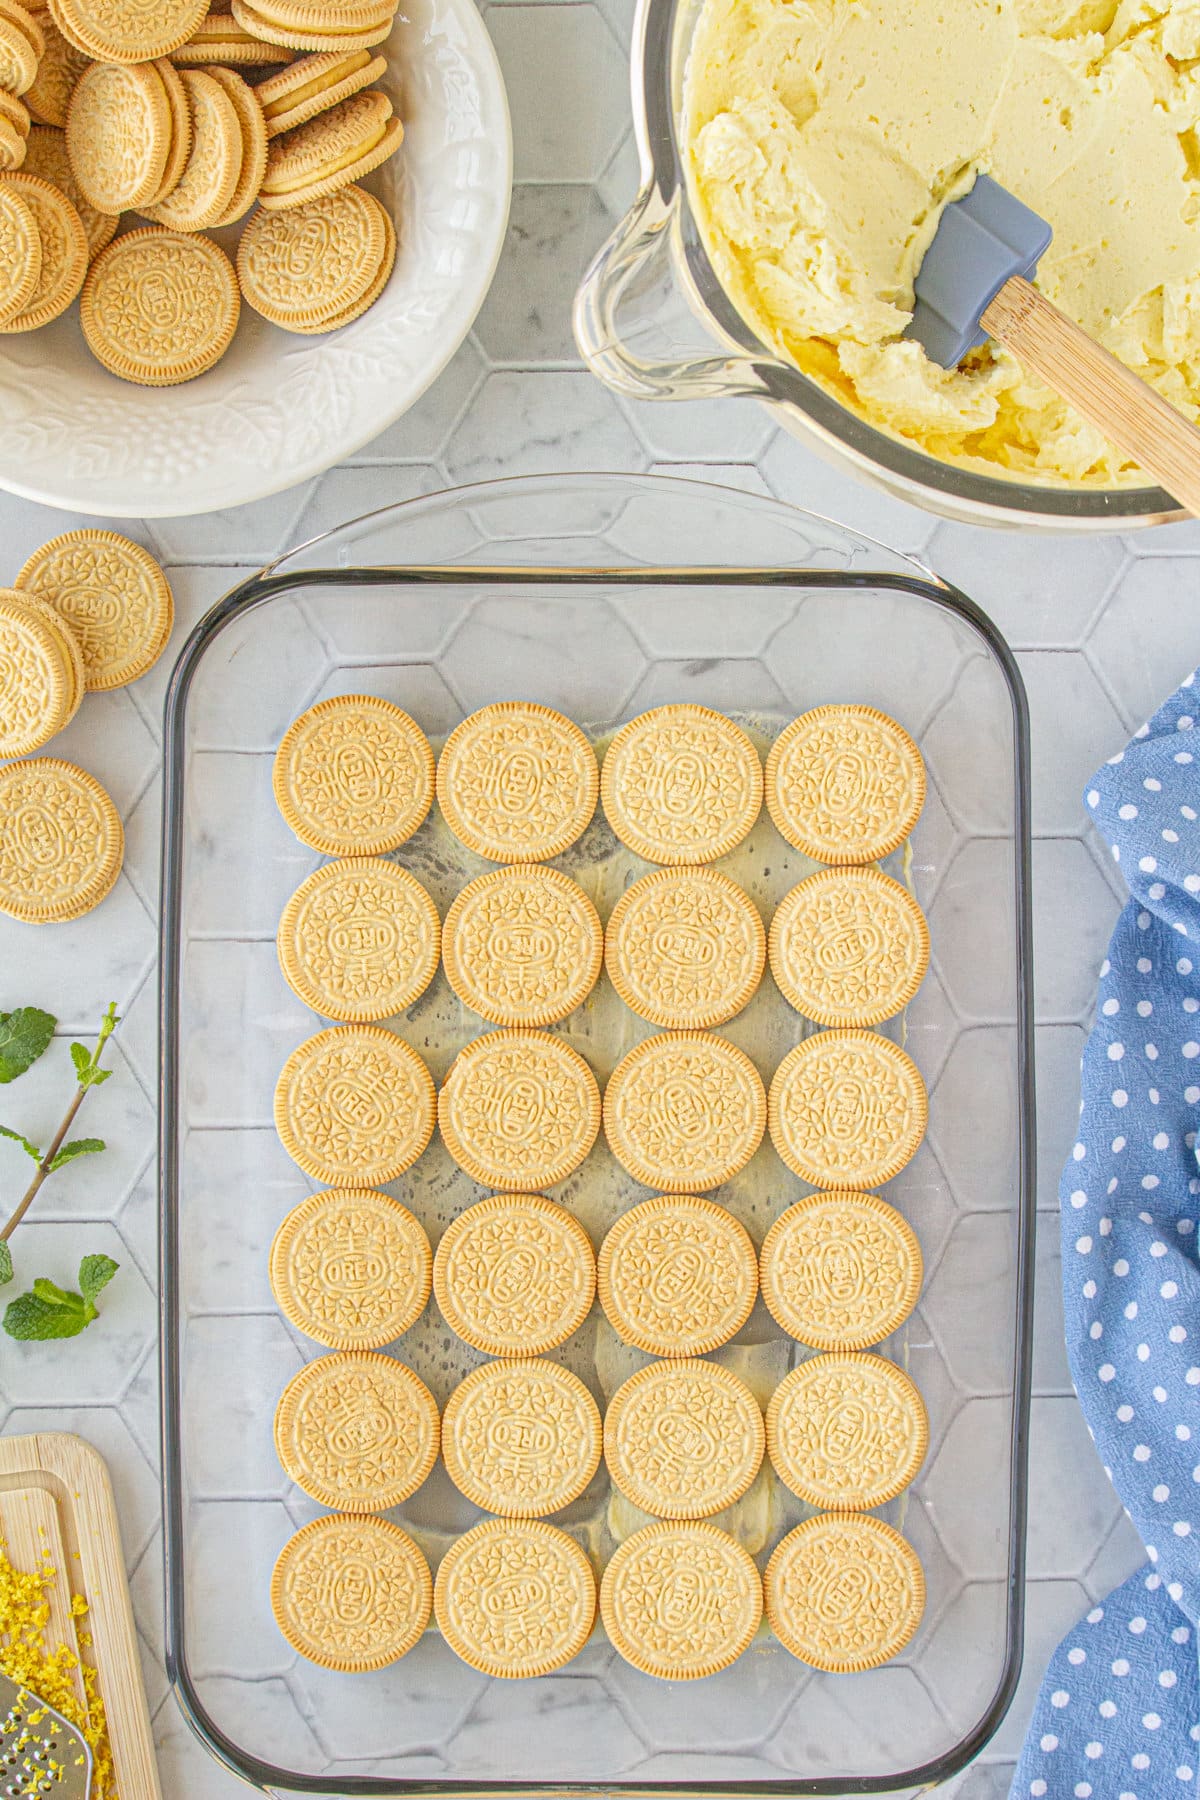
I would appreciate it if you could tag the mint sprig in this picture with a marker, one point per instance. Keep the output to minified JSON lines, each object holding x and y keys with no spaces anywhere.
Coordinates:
{"x":47,"y":1310}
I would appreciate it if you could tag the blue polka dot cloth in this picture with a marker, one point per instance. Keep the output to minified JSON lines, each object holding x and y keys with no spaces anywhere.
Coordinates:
{"x":1118,"y":1715}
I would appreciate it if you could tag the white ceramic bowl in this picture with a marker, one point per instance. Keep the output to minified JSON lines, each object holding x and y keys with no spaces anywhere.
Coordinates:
{"x":279,"y":408}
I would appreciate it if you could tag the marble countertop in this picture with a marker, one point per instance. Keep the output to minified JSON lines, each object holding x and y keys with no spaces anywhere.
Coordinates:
{"x":1103,"y":627}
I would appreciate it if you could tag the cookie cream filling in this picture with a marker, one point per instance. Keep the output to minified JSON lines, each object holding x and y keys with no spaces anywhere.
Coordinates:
{"x":826,"y":136}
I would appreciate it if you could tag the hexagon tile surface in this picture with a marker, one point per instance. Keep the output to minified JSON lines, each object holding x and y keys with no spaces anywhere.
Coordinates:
{"x":1102,"y":626}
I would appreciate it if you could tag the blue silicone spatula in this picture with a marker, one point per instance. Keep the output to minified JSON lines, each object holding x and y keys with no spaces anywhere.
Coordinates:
{"x":976,"y":282}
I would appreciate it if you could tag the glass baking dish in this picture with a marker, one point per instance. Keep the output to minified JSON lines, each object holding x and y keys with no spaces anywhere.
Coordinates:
{"x":600,"y":595}
{"x":653,"y":322}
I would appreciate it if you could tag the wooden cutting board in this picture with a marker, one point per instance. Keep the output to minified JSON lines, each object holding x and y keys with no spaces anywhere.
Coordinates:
{"x":56,"y":1505}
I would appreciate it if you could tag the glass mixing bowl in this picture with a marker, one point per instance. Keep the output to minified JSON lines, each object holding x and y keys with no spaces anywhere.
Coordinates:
{"x":653,"y":322}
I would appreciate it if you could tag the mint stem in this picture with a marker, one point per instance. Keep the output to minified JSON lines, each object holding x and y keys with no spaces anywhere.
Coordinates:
{"x":56,"y":1142}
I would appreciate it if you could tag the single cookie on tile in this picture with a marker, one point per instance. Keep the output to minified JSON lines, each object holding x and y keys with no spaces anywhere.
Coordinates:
{"x":681,"y":1601}
{"x":844,"y":1592}
{"x":357,"y":1430}
{"x":351,"y":1593}
{"x":514,"y":1275}
{"x":681,"y":784}
{"x":685,"y":948}
{"x":359,"y":940}
{"x":840,"y":1270}
{"x":845,"y":784}
{"x":847,"y":1431}
{"x":353,"y":776}
{"x":847,"y":1109}
{"x":354,"y":1106}
{"x":683,"y":1439}
{"x":684,"y":1112}
{"x":521,"y":1438}
{"x":517,"y":782}
{"x":515,"y":1598}
{"x":523,"y":945}
{"x":677,"y":1276}
{"x":849,"y":946}
{"x":519,"y":1110}
{"x":112,"y":595}
{"x":351,"y":1268}
{"x":61,"y":841}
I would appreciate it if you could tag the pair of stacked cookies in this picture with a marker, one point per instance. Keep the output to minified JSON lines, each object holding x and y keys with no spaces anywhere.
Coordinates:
{"x":22,"y":47}
{"x":88,"y":612}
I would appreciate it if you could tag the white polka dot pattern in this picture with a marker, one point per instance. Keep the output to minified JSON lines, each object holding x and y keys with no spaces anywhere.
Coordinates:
{"x":1117,"y":1714}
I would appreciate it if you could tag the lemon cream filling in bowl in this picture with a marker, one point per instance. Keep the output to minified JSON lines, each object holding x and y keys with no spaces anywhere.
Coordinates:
{"x":797,"y":156}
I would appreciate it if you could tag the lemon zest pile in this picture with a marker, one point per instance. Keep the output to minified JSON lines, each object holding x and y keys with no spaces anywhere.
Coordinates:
{"x":25,"y":1656}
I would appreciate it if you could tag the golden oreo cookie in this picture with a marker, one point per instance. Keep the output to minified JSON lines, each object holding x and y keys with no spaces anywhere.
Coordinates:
{"x":357,"y":1431}
{"x":202,"y":195}
{"x":685,"y":948}
{"x":521,"y":1438}
{"x":519,"y":1110}
{"x":684,"y":1112}
{"x":219,"y":42}
{"x":38,"y":684}
{"x":523,"y":945}
{"x":517,"y":782}
{"x":845,"y":784}
{"x":20,"y":253}
{"x":313,"y":36}
{"x":841,"y":1271}
{"x":847,"y":1109}
{"x":118,"y":31}
{"x":353,"y":776}
{"x":681,"y":1601}
{"x":14,"y":132}
{"x":677,"y":1276}
{"x":313,"y":84}
{"x":359,"y":940}
{"x":846,"y":1431}
{"x":64,"y":252}
{"x":844,"y":1592}
{"x":370,"y":294}
{"x":354,"y":1106}
{"x":60,"y":67}
{"x":515,"y":1598}
{"x":351,"y":1593}
{"x":514,"y":1275}
{"x":21,"y":46}
{"x":61,"y":841}
{"x":336,"y":148}
{"x":160,"y":307}
{"x":302,"y":268}
{"x":351,"y":1268}
{"x":253,"y":129}
{"x":119,"y":134}
{"x":46,"y":155}
{"x":849,"y":946}
{"x":683,"y":1439}
{"x":681,"y":784}
{"x":112,"y":595}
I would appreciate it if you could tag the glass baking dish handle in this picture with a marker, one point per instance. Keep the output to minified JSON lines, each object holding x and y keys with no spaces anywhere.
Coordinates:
{"x":632,"y":319}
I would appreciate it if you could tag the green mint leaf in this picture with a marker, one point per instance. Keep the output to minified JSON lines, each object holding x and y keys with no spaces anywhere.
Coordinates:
{"x":6,"y":1264}
{"x":95,"y":1272}
{"x":77,"y":1147}
{"x":50,"y":1292}
{"x":31,"y":1316}
{"x":29,"y":1149}
{"x":24,"y":1035}
{"x":81,"y":1056}
{"x":97,"y":1077}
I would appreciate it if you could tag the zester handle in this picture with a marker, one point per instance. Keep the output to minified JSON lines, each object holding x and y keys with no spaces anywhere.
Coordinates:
{"x":1128,"y":411}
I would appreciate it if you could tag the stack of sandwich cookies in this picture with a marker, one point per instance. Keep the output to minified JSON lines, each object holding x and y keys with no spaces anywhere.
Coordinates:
{"x":314,"y":267}
{"x":22,"y":45}
{"x":329,"y":25}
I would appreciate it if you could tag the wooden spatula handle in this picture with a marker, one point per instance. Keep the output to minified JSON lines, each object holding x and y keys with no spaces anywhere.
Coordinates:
{"x":1118,"y":403}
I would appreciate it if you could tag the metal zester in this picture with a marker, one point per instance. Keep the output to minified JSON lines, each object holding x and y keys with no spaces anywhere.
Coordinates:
{"x":41,"y":1753}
